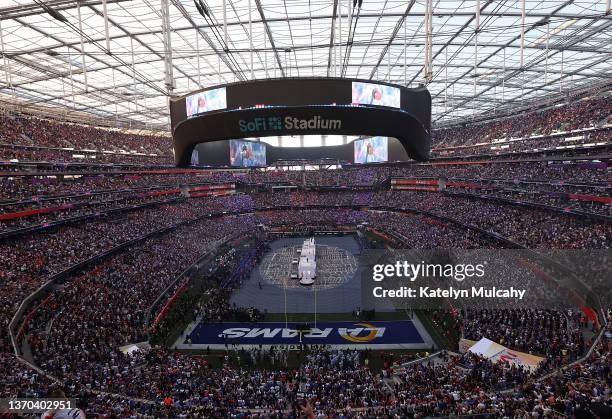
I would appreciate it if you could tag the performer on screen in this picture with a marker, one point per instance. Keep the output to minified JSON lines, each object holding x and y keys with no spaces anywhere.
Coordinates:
{"x":370,"y":153}
{"x":201,"y":104}
{"x":376,"y":98}
{"x":247,"y":156}
{"x":370,"y":156}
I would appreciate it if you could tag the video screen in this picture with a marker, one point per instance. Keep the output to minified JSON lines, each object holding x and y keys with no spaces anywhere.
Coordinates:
{"x":195,"y":158}
{"x":372,"y":150}
{"x":209,"y":100}
{"x":375,"y":94}
{"x":247,"y":154}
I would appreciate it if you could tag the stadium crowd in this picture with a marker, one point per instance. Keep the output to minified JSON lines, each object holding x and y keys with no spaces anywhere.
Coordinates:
{"x":75,"y":333}
{"x":41,"y":139}
{"x":105,"y":191}
{"x":555,"y":334}
{"x":581,"y":114}
{"x":81,"y":318}
{"x":25,"y":138}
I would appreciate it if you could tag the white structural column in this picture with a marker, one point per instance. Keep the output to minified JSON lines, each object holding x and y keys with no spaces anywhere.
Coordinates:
{"x":7,"y":65}
{"x":339,"y":57}
{"x":476,"y":30}
{"x":251,"y":39}
{"x":522,"y":32}
{"x":69,"y":65}
{"x":265,"y":36}
{"x":82,"y":47}
{"x":336,"y":43}
{"x":167,"y":30}
{"x":562,"y":69}
{"x":405,"y":60}
{"x":225,"y":25}
{"x":389,"y":64}
{"x":114,"y":93}
{"x":133,"y":72}
{"x":307,"y":266}
{"x":427,"y":70}
{"x":547,"y":45}
{"x":197,"y":37}
{"x":105,"y":13}
{"x":504,"y":79}
{"x":445,"y":79}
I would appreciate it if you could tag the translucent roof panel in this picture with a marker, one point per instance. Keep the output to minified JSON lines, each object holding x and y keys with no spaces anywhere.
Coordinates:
{"x":116,"y":62}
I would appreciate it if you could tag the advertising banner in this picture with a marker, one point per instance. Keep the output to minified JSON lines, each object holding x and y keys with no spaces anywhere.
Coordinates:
{"x":499,"y":353}
{"x":350,"y":334}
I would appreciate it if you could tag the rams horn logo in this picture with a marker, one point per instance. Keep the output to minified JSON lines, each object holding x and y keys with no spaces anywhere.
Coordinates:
{"x":352,"y":335}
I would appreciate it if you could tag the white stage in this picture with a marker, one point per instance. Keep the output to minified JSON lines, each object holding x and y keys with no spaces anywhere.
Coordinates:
{"x":307,"y":266}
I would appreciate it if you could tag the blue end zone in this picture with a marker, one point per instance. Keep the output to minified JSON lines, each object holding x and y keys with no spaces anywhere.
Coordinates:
{"x":386,"y":333}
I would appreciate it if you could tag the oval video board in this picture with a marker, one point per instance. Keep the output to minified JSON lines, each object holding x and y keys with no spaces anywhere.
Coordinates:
{"x":302,"y":107}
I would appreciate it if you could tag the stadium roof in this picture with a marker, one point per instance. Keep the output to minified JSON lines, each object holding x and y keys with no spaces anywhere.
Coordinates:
{"x":116,"y":61}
